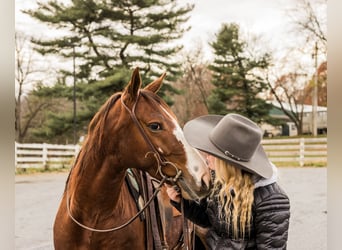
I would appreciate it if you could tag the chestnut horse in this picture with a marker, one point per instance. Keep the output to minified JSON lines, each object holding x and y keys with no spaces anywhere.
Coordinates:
{"x":133,"y":129}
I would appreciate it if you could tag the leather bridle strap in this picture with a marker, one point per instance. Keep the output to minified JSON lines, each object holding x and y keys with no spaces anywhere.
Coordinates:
{"x":156,"y":223}
{"x":137,"y":123}
{"x":185,"y":228}
{"x":161,"y":160}
{"x":149,"y":235}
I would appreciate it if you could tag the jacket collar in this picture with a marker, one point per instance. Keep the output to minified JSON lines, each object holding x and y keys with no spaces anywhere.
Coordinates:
{"x":261,"y":182}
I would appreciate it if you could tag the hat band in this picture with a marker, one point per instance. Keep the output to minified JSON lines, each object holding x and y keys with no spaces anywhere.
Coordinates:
{"x":227,"y":153}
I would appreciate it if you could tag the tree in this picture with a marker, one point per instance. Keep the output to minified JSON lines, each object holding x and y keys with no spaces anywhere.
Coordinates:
{"x":26,"y":108}
{"x":195,"y":87}
{"x":292,"y":86}
{"x":107,"y":39}
{"x":58,"y":122}
{"x":322,"y":74}
{"x":310,"y":22}
{"x":116,"y":33}
{"x":288,"y":90}
{"x":238,"y":84}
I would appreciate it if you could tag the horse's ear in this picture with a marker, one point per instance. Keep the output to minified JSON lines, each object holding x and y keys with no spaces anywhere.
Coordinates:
{"x":131,"y":90}
{"x":156,"y":84}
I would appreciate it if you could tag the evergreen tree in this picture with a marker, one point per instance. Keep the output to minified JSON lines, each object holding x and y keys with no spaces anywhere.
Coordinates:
{"x":58,"y":122}
{"x":237,"y":84}
{"x":107,"y":38}
{"x":115,"y":33}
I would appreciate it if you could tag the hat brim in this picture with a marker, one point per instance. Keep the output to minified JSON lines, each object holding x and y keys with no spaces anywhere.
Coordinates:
{"x":197,"y":133}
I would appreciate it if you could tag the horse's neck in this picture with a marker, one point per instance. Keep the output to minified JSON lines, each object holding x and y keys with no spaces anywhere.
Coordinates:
{"x":97,"y":187}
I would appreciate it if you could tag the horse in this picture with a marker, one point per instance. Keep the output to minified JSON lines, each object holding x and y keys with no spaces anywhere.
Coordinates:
{"x":134,"y":129}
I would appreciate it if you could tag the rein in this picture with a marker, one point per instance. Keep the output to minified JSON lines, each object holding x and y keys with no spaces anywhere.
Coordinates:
{"x":160,"y":162}
{"x":123,"y":225}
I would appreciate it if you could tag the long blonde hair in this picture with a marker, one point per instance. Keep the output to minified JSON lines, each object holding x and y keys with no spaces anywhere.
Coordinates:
{"x":236,"y":208}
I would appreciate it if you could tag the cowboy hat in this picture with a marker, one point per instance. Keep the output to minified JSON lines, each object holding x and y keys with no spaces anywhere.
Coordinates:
{"x":233,"y":138}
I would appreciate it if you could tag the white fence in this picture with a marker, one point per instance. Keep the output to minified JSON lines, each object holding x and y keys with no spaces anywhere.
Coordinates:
{"x":44,"y":155}
{"x":300,"y":151}
{"x":303,"y":151}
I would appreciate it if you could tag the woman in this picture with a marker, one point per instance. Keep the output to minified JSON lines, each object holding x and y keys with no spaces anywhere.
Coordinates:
{"x":246,"y":208}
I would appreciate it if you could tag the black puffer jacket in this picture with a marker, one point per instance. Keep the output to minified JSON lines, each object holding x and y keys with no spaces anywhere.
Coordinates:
{"x":269,"y":229}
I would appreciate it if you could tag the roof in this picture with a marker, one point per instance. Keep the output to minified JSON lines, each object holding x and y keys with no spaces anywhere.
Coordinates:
{"x":306,"y":108}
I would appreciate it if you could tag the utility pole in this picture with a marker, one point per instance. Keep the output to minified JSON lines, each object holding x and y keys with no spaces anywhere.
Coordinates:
{"x":74,"y":93}
{"x":314,"y":95}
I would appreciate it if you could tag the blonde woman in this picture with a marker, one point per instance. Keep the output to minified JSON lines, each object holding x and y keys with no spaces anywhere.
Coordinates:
{"x":246,"y":208}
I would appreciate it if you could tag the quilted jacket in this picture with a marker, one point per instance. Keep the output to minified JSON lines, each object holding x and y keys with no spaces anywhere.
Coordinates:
{"x":268,"y":230}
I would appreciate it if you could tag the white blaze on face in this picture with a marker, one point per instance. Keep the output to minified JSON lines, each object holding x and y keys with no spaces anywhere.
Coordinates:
{"x":195,"y":163}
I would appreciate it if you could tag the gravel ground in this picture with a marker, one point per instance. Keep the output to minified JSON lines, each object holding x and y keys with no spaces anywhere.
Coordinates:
{"x":37,"y":198}
{"x":307,"y":189}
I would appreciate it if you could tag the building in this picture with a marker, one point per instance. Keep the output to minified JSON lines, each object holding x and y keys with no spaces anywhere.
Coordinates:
{"x":288,"y":127}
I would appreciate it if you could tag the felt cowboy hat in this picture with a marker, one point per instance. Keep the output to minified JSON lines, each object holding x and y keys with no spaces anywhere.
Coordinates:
{"x":233,"y":138}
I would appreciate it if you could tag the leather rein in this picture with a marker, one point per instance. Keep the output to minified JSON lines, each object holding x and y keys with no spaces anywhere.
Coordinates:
{"x":161,"y":162}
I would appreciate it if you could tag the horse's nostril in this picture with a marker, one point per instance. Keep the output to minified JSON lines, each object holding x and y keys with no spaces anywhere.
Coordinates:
{"x":205,"y":182}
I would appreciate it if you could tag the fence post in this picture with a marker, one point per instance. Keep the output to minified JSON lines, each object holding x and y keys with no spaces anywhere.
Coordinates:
{"x":45,"y":156}
{"x":301,"y":151}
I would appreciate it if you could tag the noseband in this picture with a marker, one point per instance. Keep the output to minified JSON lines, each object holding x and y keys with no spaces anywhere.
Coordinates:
{"x":160,"y":161}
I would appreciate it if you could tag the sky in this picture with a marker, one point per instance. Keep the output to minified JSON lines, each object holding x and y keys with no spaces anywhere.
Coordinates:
{"x":268,"y":19}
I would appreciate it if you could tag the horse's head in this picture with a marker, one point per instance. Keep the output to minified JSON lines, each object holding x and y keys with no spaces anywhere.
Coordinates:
{"x":152,"y":140}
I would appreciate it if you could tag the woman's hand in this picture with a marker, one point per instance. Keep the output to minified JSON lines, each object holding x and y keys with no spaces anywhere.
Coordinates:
{"x":173,"y":192}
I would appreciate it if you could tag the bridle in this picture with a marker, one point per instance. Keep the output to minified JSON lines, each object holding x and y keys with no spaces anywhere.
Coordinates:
{"x":161,"y":163}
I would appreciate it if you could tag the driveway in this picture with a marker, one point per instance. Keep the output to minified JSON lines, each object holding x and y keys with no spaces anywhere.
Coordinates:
{"x":37,"y":199}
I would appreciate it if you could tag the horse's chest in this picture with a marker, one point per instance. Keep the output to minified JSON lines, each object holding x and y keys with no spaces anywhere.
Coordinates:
{"x":130,"y":237}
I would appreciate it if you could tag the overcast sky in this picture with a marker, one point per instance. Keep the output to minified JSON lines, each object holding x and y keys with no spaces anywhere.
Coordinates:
{"x":268,"y":19}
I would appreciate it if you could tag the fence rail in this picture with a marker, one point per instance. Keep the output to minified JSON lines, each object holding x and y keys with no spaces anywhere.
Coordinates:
{"x":44,"y":155}
{"x":301,"y":151}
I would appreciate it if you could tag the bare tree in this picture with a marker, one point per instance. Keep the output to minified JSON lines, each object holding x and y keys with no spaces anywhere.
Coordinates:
{"x":286,"y":90}
{"x":25,"y":110}
{"x":195,"y":86}
{"x":322,"y":98}
{"x":310,"y":22}
{"x":291,"y":83}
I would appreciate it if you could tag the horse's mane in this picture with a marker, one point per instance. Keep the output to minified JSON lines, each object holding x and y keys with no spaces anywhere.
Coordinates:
{"x":96,"y":125}
{"x":91,"y":148}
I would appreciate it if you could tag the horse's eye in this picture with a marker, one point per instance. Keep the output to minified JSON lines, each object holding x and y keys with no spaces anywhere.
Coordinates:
{"x":155,"y":126}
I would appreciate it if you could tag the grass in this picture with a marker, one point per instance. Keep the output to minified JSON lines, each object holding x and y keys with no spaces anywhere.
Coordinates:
{"x":296,"y":164}
{"x":22,"y":171}
{"x":296,"y":136}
